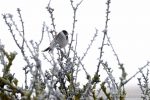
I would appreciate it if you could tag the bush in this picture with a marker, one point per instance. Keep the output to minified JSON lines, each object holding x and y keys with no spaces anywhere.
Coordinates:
{"x":60,"y":81}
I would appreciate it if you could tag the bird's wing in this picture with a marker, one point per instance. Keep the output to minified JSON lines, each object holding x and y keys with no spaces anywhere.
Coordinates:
{"x":58,"y":36}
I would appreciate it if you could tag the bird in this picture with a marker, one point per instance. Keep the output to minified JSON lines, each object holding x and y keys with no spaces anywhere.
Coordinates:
{"x":61,"y":40}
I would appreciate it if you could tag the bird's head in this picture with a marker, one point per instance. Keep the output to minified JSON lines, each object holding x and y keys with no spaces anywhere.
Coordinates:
{"x":66,"y":33}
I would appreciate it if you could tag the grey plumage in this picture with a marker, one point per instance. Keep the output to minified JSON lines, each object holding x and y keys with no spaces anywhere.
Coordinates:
{"x":61,"y":40}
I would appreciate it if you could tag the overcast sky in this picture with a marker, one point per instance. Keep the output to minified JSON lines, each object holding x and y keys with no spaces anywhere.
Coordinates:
{"x":128,"y":28}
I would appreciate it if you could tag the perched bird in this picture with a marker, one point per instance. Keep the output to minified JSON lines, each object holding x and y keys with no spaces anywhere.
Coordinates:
{"x":61,"y":40}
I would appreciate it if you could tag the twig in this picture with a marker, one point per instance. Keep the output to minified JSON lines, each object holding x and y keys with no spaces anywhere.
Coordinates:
{"x":5,"y":17}
{"x":50,"y":10}
{"x":74,"y":23}
{"x":104,"y":36}
{"x":77,"y":70}
{"x":49,"y":31}
{"x":42,"y":33}
{"x":21,"y":47}
{"x":145,"y":85}
{"x":22,"y":24}
{"x":147,"y":64}
{"x":124,"y":74}
{"x":79,"y":62}
{"x":114,"y":51}
{"x":89,"y":46}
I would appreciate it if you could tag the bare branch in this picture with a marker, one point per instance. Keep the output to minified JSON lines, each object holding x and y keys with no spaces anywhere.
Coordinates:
{"x":104,"y":36}
{"x":22,"y":24}
{"x":147,"y":64}
{"x":89,"y":46}
{"x":5,"y":17}
{"x":43,"y":30}
{"x":74,"y":23}
{"x":50,"y":10}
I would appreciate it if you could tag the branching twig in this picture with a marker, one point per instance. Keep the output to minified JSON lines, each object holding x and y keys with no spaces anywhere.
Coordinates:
{"x":50,"y":10}
{"x":22,"y":24}
{"x":144,"y":86}
{"x":104,"y":36}
{"x":147,"y":64}
{"x":5,"y":17}
{"x":79,"y":62}
{"x":74,"y":23}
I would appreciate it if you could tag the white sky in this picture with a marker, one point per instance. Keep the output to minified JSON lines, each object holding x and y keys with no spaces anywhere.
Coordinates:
{"x":128,"y":28}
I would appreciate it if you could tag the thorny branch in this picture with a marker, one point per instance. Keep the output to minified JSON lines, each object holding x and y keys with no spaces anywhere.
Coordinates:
{"x":34,"y":54}
{"x":147,"y":64}
{"x":22,"y":24}
{"x":89,"y":46}
{"x":21,"y":47}
{"x":74,"y":23}
{"x":144,"y":86}
{"x":43,"y":30}
{"x":50,"y":10}
{"x":104,"y":36}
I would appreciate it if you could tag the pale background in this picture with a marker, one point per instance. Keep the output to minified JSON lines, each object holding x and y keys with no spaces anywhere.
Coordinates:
{"x":128,"y":30}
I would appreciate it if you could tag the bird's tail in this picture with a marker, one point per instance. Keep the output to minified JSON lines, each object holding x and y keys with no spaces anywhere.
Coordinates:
{"x":47,"y":49}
